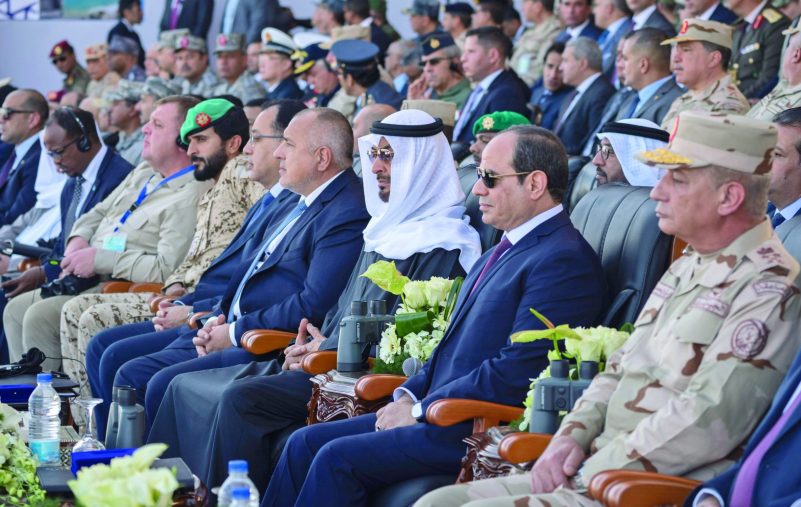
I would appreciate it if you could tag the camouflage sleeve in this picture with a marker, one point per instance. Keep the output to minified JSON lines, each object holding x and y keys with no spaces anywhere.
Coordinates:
{"x":731,"y":381}
{"x":731,"y":102}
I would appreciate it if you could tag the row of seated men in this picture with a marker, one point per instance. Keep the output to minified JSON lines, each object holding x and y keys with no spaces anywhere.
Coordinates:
{"x":295,"y":261}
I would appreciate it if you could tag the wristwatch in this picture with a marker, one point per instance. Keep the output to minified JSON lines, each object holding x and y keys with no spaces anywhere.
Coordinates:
{"x":417,"y":411}
{"x":578,"y":483}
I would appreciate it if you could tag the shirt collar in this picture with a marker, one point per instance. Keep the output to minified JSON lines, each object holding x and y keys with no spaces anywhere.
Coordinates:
{"x":791,"y":209}
{"x":22,"y":148}
{"x":523,"y":229}
{"x":646,"y":93}
{"x":641,"y":18}
{"x":753,"y":14}
{"x":576,"y":30}
{"x":276,"y":189}
{"x":587,"y":83}
{"x":90,"y":174}
{"x":128,"y":25}
{"x":487,"y":81}
{"x":615,"y":26}
{"x":367,"y":21}
{"x":309,"y":199}
{"x":708,"y":13}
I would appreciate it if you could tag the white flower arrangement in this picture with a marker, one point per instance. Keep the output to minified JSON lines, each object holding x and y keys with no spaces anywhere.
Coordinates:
{"x":18,"y":482}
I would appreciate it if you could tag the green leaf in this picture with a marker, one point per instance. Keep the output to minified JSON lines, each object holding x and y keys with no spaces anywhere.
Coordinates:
{"x":452,"y":296}
{"x":559,"y":332}
{"x":406,"y":323}
{"x":542,"y":318}
{"x":386,"y":276}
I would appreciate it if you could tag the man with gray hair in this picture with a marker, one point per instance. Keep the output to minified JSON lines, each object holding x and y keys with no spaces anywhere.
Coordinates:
{"x":787,"y":93}
{"x":442,"y":77}
{"x":403,"y":64}
{"x":582,"y":109}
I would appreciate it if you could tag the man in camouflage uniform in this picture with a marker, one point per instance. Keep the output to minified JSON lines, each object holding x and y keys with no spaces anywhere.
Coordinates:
{"x":103,"y":79}
{"x":442,"y":77}
{"x":232,"y":69}
{"x":192,"y":70}
{"x":757,"y":46}
{"x":699,"y":64}
{"x":166,"y":56}
{"x":76,"y":79}
{"x":124,"y":117}
{"x":528,"y":57}
{"x":710,"y":347}
{"x":786,"y":94}
{"x":220,"y":213}
{"x":153,"y":89}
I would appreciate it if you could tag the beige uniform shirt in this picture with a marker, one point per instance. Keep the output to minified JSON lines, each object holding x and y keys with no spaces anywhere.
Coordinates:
{"x":220,"y":213}
{"x":204,"y":86}
{"x":782,"y":97}
{"x":709,"y":350}
{"x":529,"y":54}
{"x":343,"y":103}
{"x":245,"y":88}
{"x":130,"y":146}
{"x":722,"y":96}
{"x":98,"y":88}
{"x":157,"y":234}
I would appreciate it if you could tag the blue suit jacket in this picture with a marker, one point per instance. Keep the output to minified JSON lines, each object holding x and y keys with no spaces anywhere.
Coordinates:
{"x":576,"y":129}
{"x":723,"y":15}
{"x":214,"y":280}
{"x":309,"y":268}
{"x":552,"y":270}
{"x":113,"y":169}
{"x":609,"y":47}
{"x":657,"y":106}
{"x":18,"y":194}
{"x":591,"y":31}
{"x":659,"y":21}
{"x":506,"y":93}
{"x":286,"y":89}
{"x":547,"y":105}
{"x":778,"y":482}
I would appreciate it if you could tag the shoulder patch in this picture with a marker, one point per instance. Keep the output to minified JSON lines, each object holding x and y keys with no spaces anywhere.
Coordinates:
{"x":771,"y":15}
{"x":749,"y":338}
{"x":770,"y":256}
{"x":763,"y":287}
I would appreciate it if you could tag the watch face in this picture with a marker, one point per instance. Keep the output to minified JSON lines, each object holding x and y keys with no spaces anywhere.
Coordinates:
{"x":417,"y":410}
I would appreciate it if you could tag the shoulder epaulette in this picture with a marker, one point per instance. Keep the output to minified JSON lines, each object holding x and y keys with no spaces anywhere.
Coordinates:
{"x":771,"y":15}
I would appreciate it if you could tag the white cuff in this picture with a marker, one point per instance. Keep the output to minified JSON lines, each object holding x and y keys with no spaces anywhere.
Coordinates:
{"x":707,"y":492}
{"x":232,"y":333}
{"x":178,"y":303}
{"x":400,"y":391}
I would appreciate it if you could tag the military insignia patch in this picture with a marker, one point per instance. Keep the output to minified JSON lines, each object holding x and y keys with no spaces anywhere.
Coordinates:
{"x":749,"y":339}
{"x":222,"y":40}
{"x":57,"y":50}
{"x":712,"y":305}
{"x":185,"y":42}
{"x":684,"y":26}
{"x":487,"y":123}
{"x":434,"y":43}
{"x":202,"y":120}
{"x":663,"y":290}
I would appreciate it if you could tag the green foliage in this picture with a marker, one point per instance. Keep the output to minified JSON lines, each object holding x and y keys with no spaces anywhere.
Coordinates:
{"x":386,"y":275}
{"x":19,"y":484}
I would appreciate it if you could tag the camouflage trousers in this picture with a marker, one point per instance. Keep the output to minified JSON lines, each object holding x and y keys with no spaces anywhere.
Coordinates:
{"x":511,"y":491}
{"x":85,"y":315}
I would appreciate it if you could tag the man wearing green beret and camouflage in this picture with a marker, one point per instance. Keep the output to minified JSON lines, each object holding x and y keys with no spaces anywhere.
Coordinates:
{"x":701,"y":53}
{"x":192,"y":70}
{"x":124,"y":117}
{"x":232,"y":67}
{"x":710,"y":347}
{"x":490,"y":125}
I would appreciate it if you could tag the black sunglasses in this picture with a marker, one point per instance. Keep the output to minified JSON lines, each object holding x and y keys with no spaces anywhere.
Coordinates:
{"x":385,"y":154}
{"x":432,"y":61}
{"x":489,"y":178}
{"x":6,"y":112}
{"x":59,"y":59}
{"x":59,"y":152}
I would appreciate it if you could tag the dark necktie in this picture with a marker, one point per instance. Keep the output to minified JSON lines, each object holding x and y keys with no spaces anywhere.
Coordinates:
{"x":73,"y":209}
{"x":6,"y":170}
{"x":258,"y":215}
{"x":603,"y":37}
{"x":777,"y":220}
{"x":633,"y":107}
{"x":568,"y":100}
{"x":502,"y":247}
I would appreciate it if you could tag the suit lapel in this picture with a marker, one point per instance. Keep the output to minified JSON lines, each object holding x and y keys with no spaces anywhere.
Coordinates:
{"x":87,"y":204}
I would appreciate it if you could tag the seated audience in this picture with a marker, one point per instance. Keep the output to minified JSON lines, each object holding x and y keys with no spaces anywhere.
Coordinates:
{"x":530,"y":51}
{"x":547,"y":97}
{"x":124,"y":118}
{"x":62,"y":55}
{"x":708,"y":10}
{"x":232,"y":69}
{"x":276,"y":67}
{"x":456,"y":20}
{"x":618,"y":144}
{"x":614,"y":17}
{"x":123,"y":55}
{"x":358,"y":72}
{"x":486,"y":128}
{"x":442,"y":77}
{"x":192,"y":72}
{"x":645,"y":13}
{"x":784,"y":193}
{"x":103,"y":79}
{"x":576,"y":15}
{"x":786,"y":94}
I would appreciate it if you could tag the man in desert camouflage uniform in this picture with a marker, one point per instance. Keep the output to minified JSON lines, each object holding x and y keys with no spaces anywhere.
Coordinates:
{"x":787,"y":93}
{"x":699,"y":65}
{"x":709,"y":348}
{"x":232,"y":69}
{"x":220,"y":213}
{"x":124,"y":117}
{"x":153,"y":89}
{"x":103,"y":79}
{"x":166,"y":56}
{"x":528,"y":58}
{"x":192,"y":70}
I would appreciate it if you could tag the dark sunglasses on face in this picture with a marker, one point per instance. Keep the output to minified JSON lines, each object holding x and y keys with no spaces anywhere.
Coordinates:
{"x":385,"y":154}
{"x":59,"y":59}
{"x":432,"y":61}
{"x":59,"y":152}
{"x":489,"y":178}
{"x":6,"y":112}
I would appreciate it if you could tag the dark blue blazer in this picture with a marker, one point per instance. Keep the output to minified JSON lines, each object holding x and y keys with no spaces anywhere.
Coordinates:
{"x":609,"y":47}
{"x":553,"y":270}
{"x":113,"y":169}
{"x":309,"y":268}
{"x":195,"y":16}
{"x":123,"y":31}
{"x":778,"y":481}
{"x":18,"y":194}
{"x":286,"y":89}
{"x":576,"y":129}
{"x":214,"y":280}
{"x":591,"y":31}
{"x":547,"y":105}
{"x":724,"y":15}
{"x":506,"y":93}
{"x":659,"y":21}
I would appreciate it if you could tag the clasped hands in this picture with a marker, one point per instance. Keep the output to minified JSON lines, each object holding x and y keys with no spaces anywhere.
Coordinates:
{"x":213,"y":337}
{"x":79,"y":259}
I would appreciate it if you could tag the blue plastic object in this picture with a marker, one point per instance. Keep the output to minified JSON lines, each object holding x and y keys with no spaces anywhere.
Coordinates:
{"x":89,"y":458}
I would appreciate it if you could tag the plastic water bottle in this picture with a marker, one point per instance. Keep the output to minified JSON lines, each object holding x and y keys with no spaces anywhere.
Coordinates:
{"x":241,"y":497}
{"x":43,"y":431}
{"x":237,"y":478}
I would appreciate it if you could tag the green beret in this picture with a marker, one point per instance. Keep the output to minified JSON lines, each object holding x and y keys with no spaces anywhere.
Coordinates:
{"x":498,"y":121}
{"x":203,"y":116}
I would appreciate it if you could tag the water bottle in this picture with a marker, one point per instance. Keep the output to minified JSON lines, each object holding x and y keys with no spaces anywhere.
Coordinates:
{"x":131,"y":420}
{"x":237,"y":478}
{"x":241,"y":497}
{"x":43,"y":432}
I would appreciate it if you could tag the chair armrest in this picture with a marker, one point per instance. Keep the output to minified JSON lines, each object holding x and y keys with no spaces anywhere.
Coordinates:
{"x":157,"y":300}
{"x":26,"y":264}
{"x":617,"y":488}
{"x":115,"y":287}
{"x":376,"y":386}
{"x":319,"y":362}
{"x":262,"y":341}
{"x":484,"y":414}
{"x":145,"y":287}
{"x":194,"y":320}
{"x":523,"y":447}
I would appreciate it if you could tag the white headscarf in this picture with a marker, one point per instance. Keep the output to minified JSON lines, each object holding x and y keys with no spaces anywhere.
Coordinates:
{"x":425,"y":209}
{"x":49,"y":181}
{"x":627,"y":146}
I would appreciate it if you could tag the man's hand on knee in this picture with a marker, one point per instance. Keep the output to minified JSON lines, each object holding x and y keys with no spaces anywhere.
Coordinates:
{"x":29,"y":280}
{"x":560,"y":461}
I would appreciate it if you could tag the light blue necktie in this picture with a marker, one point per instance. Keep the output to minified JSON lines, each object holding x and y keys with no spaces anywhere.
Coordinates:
{"x":467,"y":110}
{"x":299,"y":209}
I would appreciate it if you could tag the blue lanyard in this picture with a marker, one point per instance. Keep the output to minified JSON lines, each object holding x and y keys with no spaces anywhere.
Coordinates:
{"x":144,"y":194}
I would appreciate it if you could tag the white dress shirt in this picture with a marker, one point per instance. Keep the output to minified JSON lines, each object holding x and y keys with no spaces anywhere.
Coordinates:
{"x":642,"y":17}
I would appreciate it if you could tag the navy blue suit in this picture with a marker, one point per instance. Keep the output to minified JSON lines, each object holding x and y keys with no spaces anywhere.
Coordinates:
{"x":287,"y":89}
{"x":110,"y":349}
{"x":778,"y":482}
{"x":609,"y":46}
{"x":122,"y":30}
{"x":724,"y":15}
{"x":506,"y":93}
{"x":302,"y":278}
{"x":17,"y":195}
{"x":576,"y":129}
{"x":659,"y":21}
{"x":591,"y":31}
{"x":551,"y":269}
{"x":547,"y":105}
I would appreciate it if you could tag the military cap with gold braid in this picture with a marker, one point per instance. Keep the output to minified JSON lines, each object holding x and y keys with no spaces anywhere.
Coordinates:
{"x":498,"y":121}
{"x":701,"y":139}
{"x":203,"y":116}
{"x":703,"y":31}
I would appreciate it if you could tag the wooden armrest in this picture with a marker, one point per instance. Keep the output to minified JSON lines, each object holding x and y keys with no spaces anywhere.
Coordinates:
{"x":523,"y":447}
{"x":262,"y":341}
{"x":157,"y":300}
{"x":145,"y":287}
{"x":617,"y":488}
{"x":194,"y":320}
{"x":319,"y":362}
{"x":115,"y":287}
{"x":376,"y":386}
{"x":26,"y":264}
{"x":484,"y":414}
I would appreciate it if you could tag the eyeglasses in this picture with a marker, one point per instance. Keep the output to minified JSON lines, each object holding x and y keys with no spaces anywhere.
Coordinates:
{"x":489,"y":178}
{"x":6,"y":112}
{"x":606,"y":151}
{"x":256,"y":137}
{"x":59,"y":59}
{"x":432,"y":61}
{"x":59,"y":152}
{"x":384,"y":154}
